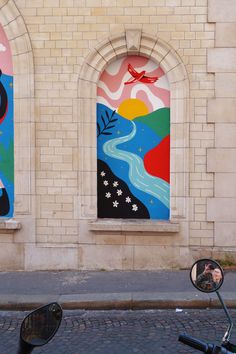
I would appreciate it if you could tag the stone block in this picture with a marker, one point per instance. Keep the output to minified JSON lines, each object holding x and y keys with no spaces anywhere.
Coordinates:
{"x":221,"y":209}
{"x":88,"y":180}
{"x":221,"y":60}
{"x":23,"y":134}
{"x":87,"y":89}
{"x":15,"y":28}
{"x":225,"y":185}
{"x":225,"y":136}
{"x":108,"y":257}
{"x":221,"y":110}
{"x":133,"y":39}
{"x":225,"y":235}
{"x":221,"y":160}
{"x":24,"y":86}
{"x":160,"y":50}
{"x":178,"y":112}
{"x":87,"y":206}
{"x":50,"y":258}
{"x":179,"y":156}
{"x":87,"y":110}
{"x":88,"y":159}
{"x":225,"y":85}
{"x":118,"y":42}
{"x":12,"y":257}
{"x":156,"y":257}
{"x":89,"y":73}
{"x":21,"y":45}
{"x":147,"y":44}
{"x":88,"y":135}
{"x":225,"y":35}
{"x":171,"y":61}
{"x":180,"y":89}
{"x":106,"y":51}
{"x":9,"y":12}
{"x":27,"y":231}
{"x":176,"y":74}
{"x":179,"y":135}
{"x":221,"y":11}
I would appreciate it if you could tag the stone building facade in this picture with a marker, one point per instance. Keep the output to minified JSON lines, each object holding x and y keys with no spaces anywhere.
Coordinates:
{"x":59,"y":50}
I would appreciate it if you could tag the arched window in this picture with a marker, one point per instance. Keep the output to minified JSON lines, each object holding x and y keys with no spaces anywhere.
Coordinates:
{"x":133,"y":140}
{"x":166,"y":63}
{"x":6,"y":129}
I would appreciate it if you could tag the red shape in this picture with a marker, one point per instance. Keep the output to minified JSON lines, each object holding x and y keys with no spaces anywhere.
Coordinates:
{"x":157,"y":160}
{"x":136,"y":76}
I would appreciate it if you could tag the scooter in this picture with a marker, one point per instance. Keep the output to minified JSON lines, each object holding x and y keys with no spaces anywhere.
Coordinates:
{"x":39,"y":327}
{"x":207,"y":276}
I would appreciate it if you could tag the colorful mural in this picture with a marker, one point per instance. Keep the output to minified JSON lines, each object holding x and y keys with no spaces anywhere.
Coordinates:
{"x":133,"y":140}
{"x":6,"y":129}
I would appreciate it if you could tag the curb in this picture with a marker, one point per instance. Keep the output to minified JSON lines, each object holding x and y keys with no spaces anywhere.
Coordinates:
{"x":117,"y":301}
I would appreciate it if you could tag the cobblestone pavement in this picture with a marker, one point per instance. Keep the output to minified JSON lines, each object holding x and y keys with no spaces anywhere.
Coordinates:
{"x":121,"y":332}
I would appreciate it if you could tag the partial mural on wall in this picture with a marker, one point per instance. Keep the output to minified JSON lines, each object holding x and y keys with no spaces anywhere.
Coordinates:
{"x":6,"y":129}
{"x":133,"y":140}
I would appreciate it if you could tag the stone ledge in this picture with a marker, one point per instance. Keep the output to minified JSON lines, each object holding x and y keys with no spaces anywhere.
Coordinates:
{"x":8,"y":225}
{"x":134,"y":226}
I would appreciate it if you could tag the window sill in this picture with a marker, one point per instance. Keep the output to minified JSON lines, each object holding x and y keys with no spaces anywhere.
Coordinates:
{"x":9,"y":225}
{"x":135,"y":226}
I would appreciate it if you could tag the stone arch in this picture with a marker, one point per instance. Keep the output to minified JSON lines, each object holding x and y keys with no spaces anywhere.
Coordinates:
{"x":24,"y":140}
{"x":133,"y":42}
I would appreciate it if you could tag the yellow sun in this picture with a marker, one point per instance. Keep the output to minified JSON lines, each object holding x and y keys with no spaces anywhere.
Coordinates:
{"x":132,"y":108}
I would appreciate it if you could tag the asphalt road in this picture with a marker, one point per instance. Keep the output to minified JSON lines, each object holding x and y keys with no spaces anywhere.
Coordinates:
{"x":121,"y":332}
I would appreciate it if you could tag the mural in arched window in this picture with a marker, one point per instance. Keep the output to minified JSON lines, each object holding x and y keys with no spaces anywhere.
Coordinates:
{"x":133,"y":140}
{"x":6,"y":128}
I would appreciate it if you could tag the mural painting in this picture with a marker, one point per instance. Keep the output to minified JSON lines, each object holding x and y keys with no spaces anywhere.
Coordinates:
{"x":133,"y":140}
{"x":6,"y":129}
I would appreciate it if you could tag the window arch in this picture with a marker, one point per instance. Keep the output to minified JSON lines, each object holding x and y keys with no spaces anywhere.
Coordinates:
{"x":133,"y":42}
{"x":7,"y":129}
{"x":24,"y":129}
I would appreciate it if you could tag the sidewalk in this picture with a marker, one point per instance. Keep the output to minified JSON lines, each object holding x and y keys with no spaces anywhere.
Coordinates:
{"x":109,"y":290}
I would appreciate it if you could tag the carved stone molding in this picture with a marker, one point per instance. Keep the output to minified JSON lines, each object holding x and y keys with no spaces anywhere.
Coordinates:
{"x":133,"y":39}
{"x":120,"y":45}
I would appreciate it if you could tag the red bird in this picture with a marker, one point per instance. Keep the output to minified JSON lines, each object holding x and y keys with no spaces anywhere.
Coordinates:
{"x":139,"y":77}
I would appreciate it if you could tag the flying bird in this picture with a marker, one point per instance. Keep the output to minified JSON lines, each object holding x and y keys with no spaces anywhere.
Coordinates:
{"x":139,"y":77}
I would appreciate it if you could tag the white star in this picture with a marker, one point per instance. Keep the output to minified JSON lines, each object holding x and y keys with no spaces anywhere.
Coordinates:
{"x":134,"y":207}
{"x":105,"y":183}
{"x":108,"y":195}
{"x":103,"y":174}
{"x":115,"y":184}
{"x":119,"y":192}
{"x":115,"y":204}
{"x":128,"y":200}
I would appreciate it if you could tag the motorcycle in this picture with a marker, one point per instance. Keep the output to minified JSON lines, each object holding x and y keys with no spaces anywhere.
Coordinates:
{"x":39,"y":327}
{"x":207,"y":276}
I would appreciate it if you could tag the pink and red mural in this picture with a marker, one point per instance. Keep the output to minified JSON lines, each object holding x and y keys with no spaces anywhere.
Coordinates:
{"x":6,"y":129}
{"x":133,"y":140}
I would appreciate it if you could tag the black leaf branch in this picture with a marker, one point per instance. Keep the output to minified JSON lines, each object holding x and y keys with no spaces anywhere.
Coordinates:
{"x":106,"y":121}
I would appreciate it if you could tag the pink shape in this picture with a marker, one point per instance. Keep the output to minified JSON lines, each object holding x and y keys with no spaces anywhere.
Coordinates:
{"x":5,"y":54}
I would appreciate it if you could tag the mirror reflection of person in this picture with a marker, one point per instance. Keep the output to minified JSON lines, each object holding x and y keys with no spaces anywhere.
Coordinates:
{"x":216,"y":276}
{"x":210,"y":278}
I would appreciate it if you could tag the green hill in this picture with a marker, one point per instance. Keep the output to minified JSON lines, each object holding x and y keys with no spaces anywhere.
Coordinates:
{"x":158,"y":121}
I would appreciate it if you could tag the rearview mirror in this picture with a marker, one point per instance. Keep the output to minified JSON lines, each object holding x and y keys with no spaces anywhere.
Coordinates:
{"x":207,"y":275}
{"x":41,"y":325}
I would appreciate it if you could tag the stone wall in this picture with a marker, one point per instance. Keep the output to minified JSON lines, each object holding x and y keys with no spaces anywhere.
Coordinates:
{"x":221,"y":160}
{"x":60,"y":47}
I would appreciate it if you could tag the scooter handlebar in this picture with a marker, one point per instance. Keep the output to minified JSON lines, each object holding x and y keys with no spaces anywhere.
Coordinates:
{"x":202,"y":346}
{"x":195,"y":343}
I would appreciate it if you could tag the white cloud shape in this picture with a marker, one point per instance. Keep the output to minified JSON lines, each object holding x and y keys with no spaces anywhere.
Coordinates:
{"x":2,"y":48}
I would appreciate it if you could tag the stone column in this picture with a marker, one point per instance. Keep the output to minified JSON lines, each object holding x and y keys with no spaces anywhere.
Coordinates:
{"x":222,"y":111}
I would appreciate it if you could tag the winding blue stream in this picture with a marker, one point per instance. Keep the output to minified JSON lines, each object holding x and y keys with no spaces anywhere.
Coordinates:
{"x":138,"y":176}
